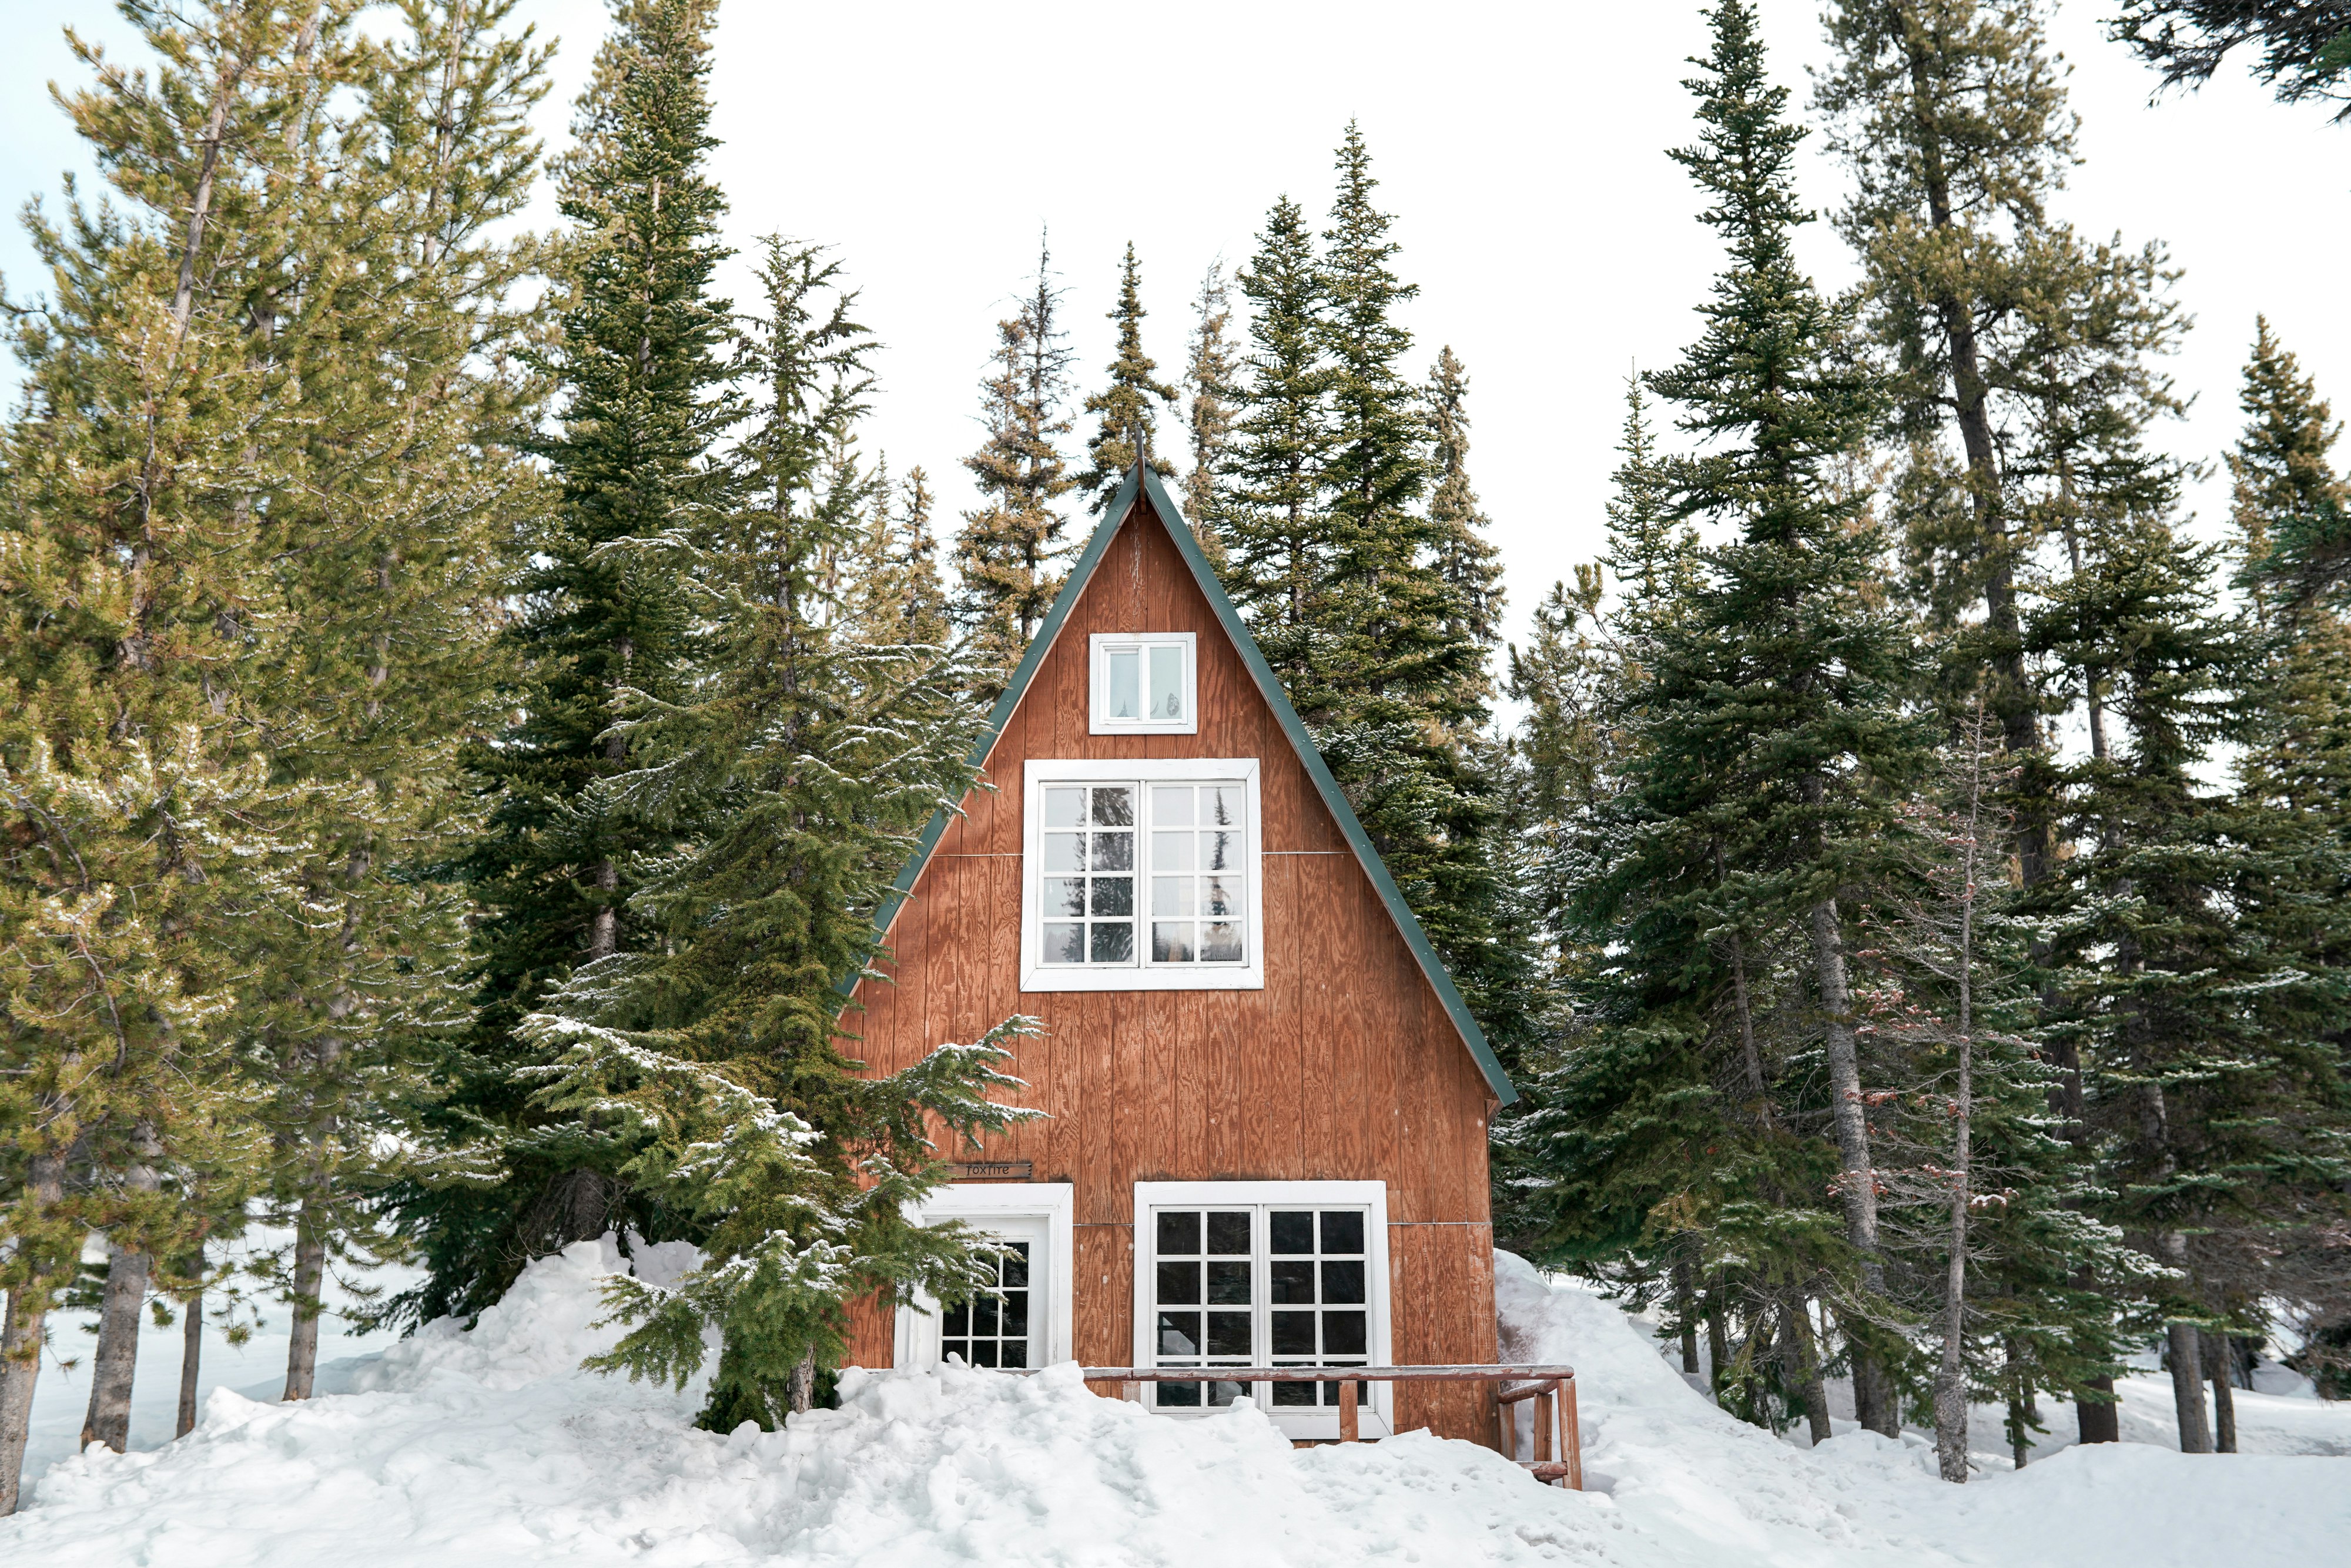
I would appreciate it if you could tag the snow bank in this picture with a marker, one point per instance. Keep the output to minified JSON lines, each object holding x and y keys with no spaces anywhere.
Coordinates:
{"x":458,"y":1449}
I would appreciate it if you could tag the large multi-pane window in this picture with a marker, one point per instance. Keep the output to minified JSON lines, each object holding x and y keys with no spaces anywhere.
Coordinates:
{"x":992,"y":1328}
{"x":1152,"y":877}
{"x":1293,"y":1282}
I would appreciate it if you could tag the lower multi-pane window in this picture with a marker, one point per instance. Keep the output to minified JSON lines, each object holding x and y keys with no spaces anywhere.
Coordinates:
{"x":992,"y":1328}
{"x":1270,"y":1284}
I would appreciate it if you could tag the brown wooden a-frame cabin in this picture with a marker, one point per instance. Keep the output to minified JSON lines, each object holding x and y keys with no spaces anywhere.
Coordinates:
{"x":1265,"y":1138}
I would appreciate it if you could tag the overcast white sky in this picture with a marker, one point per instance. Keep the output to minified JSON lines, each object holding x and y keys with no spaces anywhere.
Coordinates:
{"x":1520,"y":147}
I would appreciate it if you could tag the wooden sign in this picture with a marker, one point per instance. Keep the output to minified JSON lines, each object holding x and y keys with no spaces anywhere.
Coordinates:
{"x":991,"y":1170}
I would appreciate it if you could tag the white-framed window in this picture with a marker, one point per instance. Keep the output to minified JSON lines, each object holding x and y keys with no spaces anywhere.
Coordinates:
{"x":1250,"y":1273}
{"x":1023,"y":1318}
{"x":1141,"y":875}
{"x":1143,"y":683}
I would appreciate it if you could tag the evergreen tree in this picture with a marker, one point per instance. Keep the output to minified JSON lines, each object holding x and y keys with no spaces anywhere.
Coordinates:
{"x":2305,"y":47}
{"x":897,"y":595}
{"x":796,"y":774}
{"x":1468,"y":563}
{"x":1760,"y":806}
{"x":1127,"y":419}
{"x":1210,"y":374}
{"x":1008,"y":552}
{"x":640,"y":367}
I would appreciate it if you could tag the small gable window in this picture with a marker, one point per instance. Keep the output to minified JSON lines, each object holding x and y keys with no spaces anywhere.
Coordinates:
{"x":1144,"y":684}
{"x":1141,"y":875}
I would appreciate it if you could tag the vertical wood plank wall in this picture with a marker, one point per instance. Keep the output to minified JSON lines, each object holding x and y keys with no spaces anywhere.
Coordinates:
{"x":1343,"y":1068}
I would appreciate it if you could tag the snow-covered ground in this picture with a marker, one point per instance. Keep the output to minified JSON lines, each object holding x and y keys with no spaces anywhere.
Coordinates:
{"x":491,"y":1447}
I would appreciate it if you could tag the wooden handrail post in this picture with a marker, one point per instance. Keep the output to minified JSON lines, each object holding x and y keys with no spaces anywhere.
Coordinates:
{"x":1572,"y":1432}
{"x":1347,"y":1412}
{"x":1510,"y":1415}
{"x":1543,"y":1427}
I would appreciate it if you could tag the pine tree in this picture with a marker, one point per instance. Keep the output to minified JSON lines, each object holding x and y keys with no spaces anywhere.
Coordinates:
{"x":2305,"y":48}
{"x":795,"y":774}
{"x":1210,"y":374}
{"x":1468,"y":563}
{"x":1127,"y":419}
{"x":640,"y":367}
{"x":1760,"y":800}
{"x":1006,"y":554}
{"x":143,"y":825}
{"x":896,"y":594}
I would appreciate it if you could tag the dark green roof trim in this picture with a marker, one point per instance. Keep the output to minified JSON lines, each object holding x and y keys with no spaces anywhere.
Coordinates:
{"x":1142,"y":482}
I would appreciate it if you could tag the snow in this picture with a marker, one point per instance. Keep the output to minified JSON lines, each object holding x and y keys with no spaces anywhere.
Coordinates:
{"x":491,"y":1446}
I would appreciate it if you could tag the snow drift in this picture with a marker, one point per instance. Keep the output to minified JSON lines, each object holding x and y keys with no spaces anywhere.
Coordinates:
{"x":492,"y":1448}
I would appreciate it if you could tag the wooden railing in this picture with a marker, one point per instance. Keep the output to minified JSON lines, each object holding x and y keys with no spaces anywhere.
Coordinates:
{"x":1553,"y":1389}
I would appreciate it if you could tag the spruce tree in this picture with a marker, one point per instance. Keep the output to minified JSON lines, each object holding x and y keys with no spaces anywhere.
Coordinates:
{"x":1008,"y":552}
{"x":1210,"y":372}
{"x":795,"y":775}
{"x":1127,"y":419}
{"x":1762,"y":794}
{"x":2305,"y":48}
{"x":640,"y":367}
{"x":1468,"y":563}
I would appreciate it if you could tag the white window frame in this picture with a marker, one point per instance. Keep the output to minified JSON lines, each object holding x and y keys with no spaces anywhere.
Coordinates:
{"x":1142,"y":974}
{"x":1098,"y":647}
{"x":916,"y":1343}
{"x":1376,"y":1419}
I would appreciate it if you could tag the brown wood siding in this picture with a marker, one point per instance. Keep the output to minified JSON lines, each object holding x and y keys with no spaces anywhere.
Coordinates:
{"x":1344,"y":1067}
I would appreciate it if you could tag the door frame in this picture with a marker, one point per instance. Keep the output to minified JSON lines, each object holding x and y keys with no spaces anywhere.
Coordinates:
{"x":976,"y":1203}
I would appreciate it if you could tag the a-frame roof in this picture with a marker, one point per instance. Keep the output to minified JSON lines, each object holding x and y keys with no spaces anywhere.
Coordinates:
{"x":1141,"y":483}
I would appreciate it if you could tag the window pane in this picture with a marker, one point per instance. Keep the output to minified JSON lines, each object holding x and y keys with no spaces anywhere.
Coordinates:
{"x":1114,"y":944}
{"x":1228,"y":1233}
{"x":1343,"y":1333}
{"x":1220,"y":852}
{"x":1342,"y":1230}
{"x":1171,"y":942}
{"x":1186,"y":1394}
{"x":1167,"y":683}
{"x":1013,"y":1266}
{"x":1171,"y":805}
{"x":1221,"y":942}
{"x":1220,"y":895}
{"x":1114,"y":895}
{"x":1180,"y":1230}
{"x":1291,"y":1281}
{"x":1171,"y":852}
{"x":982,"y":1314}
{"x":1293,"y":1334}
{"x":1171,"y":895}
{"x":1065,"y":807}
{"x":1065,"y":851}
{"x":1114,"y":807}
{"x":1065,"y":896}
{"x":1294,"y":1393}
{"x":1292,"y":1231}
{"x":1228,"y":1392}
{"x":1112,"y":851}
{"x":1229,"y":1284}
{"x":1179,"y":1333}
{"x":1016,"y":1316}
{"x":1125,"y":683}
{"x":1016,"y":1353}
{"x":1179,"y":1283}
{"x":957,"y":1321}
{"x":1229,"y":806}
{"x":953,"y":1347}
{"x":1229,"y":1333}
{"x":1065,"y":944}
{"x":1343,"y":1282}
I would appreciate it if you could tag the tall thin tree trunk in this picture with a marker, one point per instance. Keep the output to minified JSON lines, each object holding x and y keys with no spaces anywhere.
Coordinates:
{"x":1873,"y":1396}
{"x":21,"y":1337}
{"x":116,"y":1359}
{"x":2220,"y":1359}
{"x":1686,"y":1311}
{"x":1718,"y":1342}
{"x":192,"y":1351}
{"x":1798,"y":1328}
{"x":2187,"y":1387}
{"x":799,"y":1388}
{"x":2098,"y":1420}
{"x":1950,"y":1377}
{"x":310,"y":1278}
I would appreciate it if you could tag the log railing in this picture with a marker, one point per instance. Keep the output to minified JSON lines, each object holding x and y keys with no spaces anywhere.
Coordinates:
{"x":1553,"y":1389}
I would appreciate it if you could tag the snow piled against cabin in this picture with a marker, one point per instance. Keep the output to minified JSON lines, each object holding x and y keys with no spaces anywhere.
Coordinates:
{"x":491,"y":1446}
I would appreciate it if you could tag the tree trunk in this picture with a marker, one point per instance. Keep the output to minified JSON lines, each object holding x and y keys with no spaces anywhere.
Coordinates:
{"x":2188,"y":1388}
{"x":1718,"y":1345}
{"x":2220,"y":1358}
{"x":2098,"y":1420}
{"x":192,"y":1351}
{"x":800,"y":1389}
{"x":310,"y":1276}
{"x":116,"y":1359}
{"x":21,"y":1336}
{"x":1685,"y":1309}
{"x":1798,"y":1327}
{"x":1858,"y":1189}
